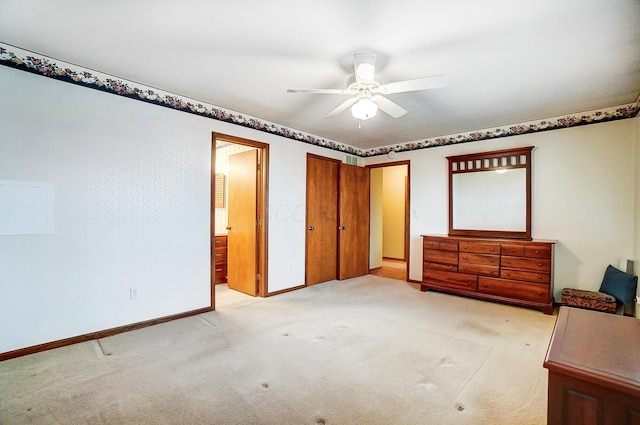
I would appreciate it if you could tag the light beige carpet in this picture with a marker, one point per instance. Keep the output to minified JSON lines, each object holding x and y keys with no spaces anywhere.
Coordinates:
{"x":368,"y":350}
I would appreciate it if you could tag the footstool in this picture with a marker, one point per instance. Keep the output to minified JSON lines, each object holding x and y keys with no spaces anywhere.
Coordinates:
{"x":590,"y":300}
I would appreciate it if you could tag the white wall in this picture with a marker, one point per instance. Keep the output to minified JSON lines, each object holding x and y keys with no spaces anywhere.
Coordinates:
{"x":132,"y":190}
{"x":133,"y":197}
{"x":583,"y":196}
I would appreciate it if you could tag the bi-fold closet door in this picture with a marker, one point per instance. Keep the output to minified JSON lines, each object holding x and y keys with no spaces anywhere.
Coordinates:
{"x":337,"y":235}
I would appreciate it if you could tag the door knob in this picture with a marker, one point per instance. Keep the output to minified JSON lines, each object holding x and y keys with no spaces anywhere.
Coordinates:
{"x":311,"y":228}
{"x":342,"y":227}
{"x":228,"y":227}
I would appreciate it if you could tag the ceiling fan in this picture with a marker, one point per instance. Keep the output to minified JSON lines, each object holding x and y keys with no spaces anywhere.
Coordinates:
{"x":367,"y":93}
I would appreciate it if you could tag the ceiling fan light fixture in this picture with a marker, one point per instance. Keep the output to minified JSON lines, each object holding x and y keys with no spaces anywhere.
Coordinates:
{"x":364,"y":109}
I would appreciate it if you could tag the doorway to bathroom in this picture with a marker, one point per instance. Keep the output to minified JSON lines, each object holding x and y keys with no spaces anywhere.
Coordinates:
{"x":238,"y":216}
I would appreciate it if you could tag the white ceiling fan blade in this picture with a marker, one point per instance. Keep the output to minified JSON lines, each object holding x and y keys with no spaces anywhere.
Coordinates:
{"x":432,"y":82}
{"x":364,"y":66}
{"x":391,"y":108}
{"x":343,"y":107}
{"x":320,"y":91}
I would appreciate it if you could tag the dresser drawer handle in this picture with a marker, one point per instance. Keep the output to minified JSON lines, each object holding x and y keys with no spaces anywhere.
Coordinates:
{"x":539,"y":293}
{"x":539,"y":277}
{"x":508,"y":273}
{"x":540,"y":264}
{"x":218,"y":270}
{"x":491,"y":260}
{"x":484,"y":285}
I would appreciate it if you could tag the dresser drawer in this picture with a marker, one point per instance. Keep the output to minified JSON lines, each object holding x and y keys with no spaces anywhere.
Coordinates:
{"x":431,"y":244}
{"x":480,"y":247}
{"x":479,"y":269}
{"x":220,"y":271}
{"x":537,"y":251}
{"x":453,"y":280}
{"x":441,"y":266}
{"x":220,"y":241}
{"x":449,"y":246}
{"x":526,"y":276}
{"x":487,"y":260}
{"x":542,"y":265}
{"x":513,"y":289}
{"x":512,"y":250}
{"x":220,"y":255}
{"x":434,"y":255}
{"x":442,"y":245}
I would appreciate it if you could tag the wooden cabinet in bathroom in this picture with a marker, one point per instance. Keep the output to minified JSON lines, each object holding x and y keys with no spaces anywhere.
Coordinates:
{"x":220,"y":261}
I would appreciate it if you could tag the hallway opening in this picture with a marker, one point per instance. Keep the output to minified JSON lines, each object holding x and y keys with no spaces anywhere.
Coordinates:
{"x":389,"y":218}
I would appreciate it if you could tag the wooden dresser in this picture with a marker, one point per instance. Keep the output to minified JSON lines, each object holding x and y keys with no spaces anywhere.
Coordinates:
{"x":517,"y":272}
{"x":594,"y":369}
{"x":220,"y":262}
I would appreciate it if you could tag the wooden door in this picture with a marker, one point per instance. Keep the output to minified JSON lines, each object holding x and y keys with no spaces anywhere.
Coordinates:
{"x":353,"y":235}
{"x":242,"y":222}
{"x":321,"y":220}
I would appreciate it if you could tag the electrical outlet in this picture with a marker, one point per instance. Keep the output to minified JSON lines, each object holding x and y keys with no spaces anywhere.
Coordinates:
{"x":133,"y":293}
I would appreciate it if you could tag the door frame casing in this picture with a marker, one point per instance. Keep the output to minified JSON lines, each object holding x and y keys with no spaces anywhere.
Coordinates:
{"x":407,"y":207}
{"x":262,"y":199}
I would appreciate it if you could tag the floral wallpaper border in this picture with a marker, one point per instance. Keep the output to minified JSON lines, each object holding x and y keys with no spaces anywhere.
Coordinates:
{"x":584,"y":118}
{"x":42,"y":65}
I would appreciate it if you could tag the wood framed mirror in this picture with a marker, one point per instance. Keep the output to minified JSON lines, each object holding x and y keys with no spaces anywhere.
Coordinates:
{"x":490,"y":194}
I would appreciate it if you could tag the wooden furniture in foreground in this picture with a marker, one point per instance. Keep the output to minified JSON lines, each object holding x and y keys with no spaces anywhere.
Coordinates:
{"x":594,"y":369}
{"x":511,"y":271}
{"x":220,"y":262}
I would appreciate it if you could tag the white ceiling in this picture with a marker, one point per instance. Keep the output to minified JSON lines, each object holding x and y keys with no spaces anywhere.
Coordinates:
{"x":507,"y":61}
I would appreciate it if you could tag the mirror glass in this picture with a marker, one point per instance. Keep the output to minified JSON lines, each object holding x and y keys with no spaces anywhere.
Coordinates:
{"x":490,"y":200}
